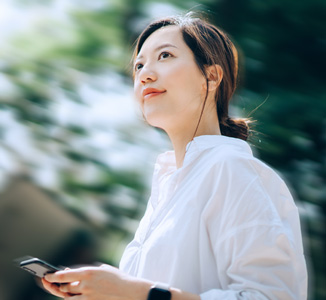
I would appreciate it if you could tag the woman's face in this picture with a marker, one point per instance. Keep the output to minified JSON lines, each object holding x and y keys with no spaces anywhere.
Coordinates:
{"x":168,"y":84}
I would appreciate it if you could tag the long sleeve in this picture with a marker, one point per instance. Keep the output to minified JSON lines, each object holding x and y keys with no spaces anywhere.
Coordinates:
{"x":254,"y":229}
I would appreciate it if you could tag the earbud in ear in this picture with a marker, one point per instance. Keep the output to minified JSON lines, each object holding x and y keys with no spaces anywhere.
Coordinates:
{"x":212,"y":85}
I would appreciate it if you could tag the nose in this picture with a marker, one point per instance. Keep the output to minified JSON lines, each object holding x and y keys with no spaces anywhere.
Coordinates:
{"x":147,"y":75}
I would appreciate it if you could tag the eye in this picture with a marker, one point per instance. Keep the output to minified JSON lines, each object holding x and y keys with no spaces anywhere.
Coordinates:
{"x":164,"y":55}
{"x":138,"y":66}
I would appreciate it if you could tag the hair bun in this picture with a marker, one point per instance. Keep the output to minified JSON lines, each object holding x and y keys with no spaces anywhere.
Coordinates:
{"x":237,"y":128}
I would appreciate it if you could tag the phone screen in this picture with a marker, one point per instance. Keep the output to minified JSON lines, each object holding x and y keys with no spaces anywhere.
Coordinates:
{"x":38,"y":267}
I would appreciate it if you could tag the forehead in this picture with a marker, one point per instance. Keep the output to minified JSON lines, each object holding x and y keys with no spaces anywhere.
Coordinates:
{"x":166,"y":35}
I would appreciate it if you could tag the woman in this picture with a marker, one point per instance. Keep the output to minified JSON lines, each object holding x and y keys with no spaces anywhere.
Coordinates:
{"x":220,"y":224}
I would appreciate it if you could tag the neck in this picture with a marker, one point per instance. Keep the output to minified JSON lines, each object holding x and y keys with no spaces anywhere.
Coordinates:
{"x":209,"y":125}
{"x":179,"y":145}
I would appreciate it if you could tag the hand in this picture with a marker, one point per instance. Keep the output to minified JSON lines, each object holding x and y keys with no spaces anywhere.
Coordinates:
{"x":96,"y":283}
{"x":54,"y":288}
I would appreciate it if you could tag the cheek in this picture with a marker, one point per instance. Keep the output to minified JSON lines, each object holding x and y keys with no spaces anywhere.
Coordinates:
{"x":188,"y":74}
{"x":137,"y":92}
{"x":189,"y":82}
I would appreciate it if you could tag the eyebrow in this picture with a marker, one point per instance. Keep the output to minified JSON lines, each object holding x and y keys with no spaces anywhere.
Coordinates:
{"x":166,"y":45}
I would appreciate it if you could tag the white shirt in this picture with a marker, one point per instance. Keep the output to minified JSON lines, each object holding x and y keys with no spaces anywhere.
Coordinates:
{"x":223,"y":226}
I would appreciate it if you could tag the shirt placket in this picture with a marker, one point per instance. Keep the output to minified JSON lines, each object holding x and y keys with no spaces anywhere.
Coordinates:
{"x":163,"y":204}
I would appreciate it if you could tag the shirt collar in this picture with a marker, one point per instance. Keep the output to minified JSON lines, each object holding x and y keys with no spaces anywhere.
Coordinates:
{"x":167,"y":162}
{"x":203,"y":142}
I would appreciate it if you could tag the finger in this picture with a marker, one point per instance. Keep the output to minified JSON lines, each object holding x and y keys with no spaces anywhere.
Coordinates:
{"x":65,"y":276}
{"x":53,"y":288}
{"x":71,"y":288}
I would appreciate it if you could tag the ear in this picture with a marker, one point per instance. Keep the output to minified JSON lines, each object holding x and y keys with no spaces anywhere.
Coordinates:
{"x":214,"y":76}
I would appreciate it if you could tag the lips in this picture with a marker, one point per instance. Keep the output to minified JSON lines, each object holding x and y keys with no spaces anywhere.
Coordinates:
{"x":149,"y":92}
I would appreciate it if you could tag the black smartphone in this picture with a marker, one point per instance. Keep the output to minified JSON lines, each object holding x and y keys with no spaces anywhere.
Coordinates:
{"x":38,"y":267}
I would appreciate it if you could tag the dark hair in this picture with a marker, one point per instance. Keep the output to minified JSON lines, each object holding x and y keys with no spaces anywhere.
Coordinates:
{"x":210,"y":46}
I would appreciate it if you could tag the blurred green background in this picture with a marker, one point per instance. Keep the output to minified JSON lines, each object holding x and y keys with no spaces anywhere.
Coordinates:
{"x":75,"y":155}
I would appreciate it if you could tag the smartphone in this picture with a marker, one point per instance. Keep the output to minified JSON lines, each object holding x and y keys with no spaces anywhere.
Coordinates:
{"x":38,"y":267}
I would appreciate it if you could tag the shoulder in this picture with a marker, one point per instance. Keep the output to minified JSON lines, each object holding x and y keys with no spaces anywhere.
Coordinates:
{"x":221,"y":163}
{"x":232,"y":176}
{"x":234,"y":157}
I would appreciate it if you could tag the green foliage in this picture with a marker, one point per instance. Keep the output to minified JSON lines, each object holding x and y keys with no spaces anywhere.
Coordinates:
{"x":48,"y":64}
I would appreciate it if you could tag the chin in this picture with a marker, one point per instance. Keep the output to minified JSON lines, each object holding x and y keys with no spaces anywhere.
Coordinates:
{"x":156,"y":120}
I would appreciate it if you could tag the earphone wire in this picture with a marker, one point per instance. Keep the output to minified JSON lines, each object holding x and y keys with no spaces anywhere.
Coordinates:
{"x":200,"y":117}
